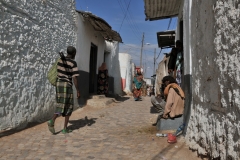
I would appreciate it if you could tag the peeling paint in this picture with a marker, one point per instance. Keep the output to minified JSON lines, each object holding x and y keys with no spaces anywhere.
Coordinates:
{"x":213,"y":127}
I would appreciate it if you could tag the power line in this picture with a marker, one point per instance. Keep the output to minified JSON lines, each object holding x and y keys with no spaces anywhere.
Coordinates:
{"x":124,"y":16}
{"x":130,"y":24}
{"x":132,"y":20}
{"x":169,"y":23}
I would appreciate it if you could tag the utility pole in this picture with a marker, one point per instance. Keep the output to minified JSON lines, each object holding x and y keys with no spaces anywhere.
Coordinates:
{"x":154,"y":60}
{"x":141,"y":51}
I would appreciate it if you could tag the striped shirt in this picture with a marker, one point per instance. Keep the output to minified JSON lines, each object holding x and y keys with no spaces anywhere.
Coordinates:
{"x":67,"y":71}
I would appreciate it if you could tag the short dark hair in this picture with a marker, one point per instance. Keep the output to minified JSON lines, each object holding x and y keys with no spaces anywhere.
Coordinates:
{"x":71,"y":50}
{"x":169,"y":78}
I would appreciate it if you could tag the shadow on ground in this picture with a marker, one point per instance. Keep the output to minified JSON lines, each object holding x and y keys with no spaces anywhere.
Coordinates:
{"x":76,"y":124}
{"x":118,"y":98}
{"x":164,"y":151}
{"x":18,"y":129}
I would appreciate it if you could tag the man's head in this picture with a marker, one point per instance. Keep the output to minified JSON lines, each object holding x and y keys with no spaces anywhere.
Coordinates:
{"x":179,"y":45}
{"x":168,"y":80}
{"x":71,"y":51}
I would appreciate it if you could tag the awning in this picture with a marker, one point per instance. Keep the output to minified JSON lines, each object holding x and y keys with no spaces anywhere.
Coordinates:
{"x":101,"y":26}
{"x":161,"y":9}
{"x":166,"y":39}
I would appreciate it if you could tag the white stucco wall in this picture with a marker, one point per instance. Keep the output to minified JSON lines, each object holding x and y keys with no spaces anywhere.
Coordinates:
{"x":126,"y":70}
{"x":112,"y":61}
{"x":214,"y":126}
{"x":31,"y":35}
{"x":87,"y":35}
{"x":161,"y":72}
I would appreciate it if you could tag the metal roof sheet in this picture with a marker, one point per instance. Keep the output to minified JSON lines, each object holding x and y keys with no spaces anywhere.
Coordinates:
{"x":102,"y":26}
{"x":161,"y":9}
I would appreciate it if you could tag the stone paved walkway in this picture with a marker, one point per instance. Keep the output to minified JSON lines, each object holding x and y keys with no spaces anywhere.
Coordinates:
{"x":122,"y":131}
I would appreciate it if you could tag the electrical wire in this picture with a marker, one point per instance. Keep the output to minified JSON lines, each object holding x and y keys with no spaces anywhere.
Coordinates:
{"x":124,"y":17}
{"x":130,"y":24}
{"x":170,"y":20}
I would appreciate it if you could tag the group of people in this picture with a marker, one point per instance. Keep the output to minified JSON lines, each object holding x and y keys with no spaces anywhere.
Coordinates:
{"x":170,"y":103}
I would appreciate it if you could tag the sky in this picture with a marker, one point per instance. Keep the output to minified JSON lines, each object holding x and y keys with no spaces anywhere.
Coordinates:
{"x":127,"y":17}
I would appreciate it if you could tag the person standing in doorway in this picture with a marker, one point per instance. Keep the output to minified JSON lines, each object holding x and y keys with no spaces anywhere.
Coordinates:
{"x":179,"y":62}
{"x":67,"y":71}
{"x":102,"y":87}
{"x":172,"y":62}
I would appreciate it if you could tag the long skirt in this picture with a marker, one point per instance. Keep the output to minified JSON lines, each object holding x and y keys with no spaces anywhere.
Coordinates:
{"x":64,"y":98}
{"x":137,"y":93}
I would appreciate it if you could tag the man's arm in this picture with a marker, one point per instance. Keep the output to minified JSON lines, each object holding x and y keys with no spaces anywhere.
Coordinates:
{"x":75,"y":81}
{"x":169,"y":103}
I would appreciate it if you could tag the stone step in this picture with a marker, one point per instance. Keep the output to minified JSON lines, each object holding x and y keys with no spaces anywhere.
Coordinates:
{"x":97,"y":96}
{"x":169,"y":124}
{"x":100,"y":103}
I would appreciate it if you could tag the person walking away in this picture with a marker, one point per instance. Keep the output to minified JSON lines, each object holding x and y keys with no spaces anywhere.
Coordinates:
{"x":179,"y":62}
{"x":102,"y":79}
{"x":67,"y":71}
{"x":138,"y":82}
{"x":173,"y":103}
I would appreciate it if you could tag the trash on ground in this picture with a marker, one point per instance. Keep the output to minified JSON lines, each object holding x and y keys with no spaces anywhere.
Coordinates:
{"x":161,"y":135}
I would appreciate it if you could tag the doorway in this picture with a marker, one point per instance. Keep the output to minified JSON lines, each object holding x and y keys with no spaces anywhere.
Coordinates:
{"x":92,"y":68}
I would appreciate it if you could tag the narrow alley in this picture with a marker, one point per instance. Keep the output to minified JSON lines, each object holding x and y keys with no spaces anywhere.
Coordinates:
{"x":122,"y":130}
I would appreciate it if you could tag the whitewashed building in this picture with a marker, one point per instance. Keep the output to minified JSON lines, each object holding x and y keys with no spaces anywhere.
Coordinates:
{"x":96,"y":43}
{"x":126,"y":72}
{"x":31,"y":35}
{"x":210,"y":33}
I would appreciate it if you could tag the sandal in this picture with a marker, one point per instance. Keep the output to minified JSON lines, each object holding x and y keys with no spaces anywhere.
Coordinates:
{"x":51,"y":126}
{"x":64,"y":131}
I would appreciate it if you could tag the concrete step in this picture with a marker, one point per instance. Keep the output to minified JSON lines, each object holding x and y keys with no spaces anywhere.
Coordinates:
{"x":97,"y":96}
{"x":100,"y":102}
{"x":169,"y":124}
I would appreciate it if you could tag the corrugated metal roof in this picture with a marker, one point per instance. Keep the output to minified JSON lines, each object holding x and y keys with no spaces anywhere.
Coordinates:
{"x":161,"y":9}
{"x":102,"y":26}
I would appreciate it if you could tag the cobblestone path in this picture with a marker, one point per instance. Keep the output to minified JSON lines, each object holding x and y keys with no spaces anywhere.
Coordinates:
{"x":122,"y":131}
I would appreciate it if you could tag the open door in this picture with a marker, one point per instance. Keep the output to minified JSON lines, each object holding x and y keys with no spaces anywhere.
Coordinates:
{"x":93,"y":69}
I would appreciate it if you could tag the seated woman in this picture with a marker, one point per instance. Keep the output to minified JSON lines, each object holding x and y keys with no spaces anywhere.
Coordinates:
{"x":173,"y":104}
{"x":138,"y":82}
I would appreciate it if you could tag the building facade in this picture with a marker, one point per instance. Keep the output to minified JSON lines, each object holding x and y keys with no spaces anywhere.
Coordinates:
{"x":29,"y":44}
{"x":210,"y":34}
{"x":31,"y":35}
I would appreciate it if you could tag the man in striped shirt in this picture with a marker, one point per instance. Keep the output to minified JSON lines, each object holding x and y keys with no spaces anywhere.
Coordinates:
{"x":67,"y":71}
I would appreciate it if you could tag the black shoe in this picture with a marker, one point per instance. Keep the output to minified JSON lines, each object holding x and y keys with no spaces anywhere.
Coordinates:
{"x":154,"y":124}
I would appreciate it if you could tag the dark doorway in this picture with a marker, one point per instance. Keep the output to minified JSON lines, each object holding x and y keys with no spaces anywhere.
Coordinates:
{"x":181,"y":31}
{"x":92,"y":68}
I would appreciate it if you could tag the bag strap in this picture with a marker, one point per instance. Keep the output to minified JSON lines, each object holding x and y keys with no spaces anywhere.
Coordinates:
{"x":64,"y":61}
